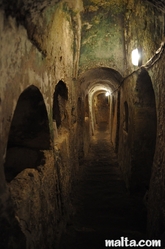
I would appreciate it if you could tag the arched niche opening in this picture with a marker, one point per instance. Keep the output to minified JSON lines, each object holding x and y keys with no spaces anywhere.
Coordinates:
{"x":60,"y":98}
{"x":29,"y":134}
{"x":144,"y":137}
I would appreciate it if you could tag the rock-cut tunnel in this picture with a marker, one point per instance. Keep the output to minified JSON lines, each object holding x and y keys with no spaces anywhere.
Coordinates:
{"x":82,"y":128}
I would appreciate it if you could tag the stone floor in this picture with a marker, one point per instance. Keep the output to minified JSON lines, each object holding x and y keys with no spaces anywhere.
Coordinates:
{"x":103,"y":207}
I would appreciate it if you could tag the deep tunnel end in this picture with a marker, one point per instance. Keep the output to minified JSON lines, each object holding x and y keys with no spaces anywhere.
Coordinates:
{"x":101,"y":108}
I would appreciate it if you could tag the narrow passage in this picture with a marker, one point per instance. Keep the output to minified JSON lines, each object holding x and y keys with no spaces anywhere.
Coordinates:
{"x":103,"y":207}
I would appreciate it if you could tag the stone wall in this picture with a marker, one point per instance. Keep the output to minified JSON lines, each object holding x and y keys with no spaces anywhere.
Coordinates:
{"x":42,"y":43}
{"x":111,"y":30}
{"x":156,"y":215}
{"x":143,"y":29}
{"x":38,"y":53}
{"x":141,"y":144}
{"x":141,"y":147}
{"x":114,"y":119}
{"x":137,"y":137}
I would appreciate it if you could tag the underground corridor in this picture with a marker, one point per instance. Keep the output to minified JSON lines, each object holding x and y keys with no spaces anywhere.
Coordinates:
{"x":82,"y":124}
{"x":103,"y":207}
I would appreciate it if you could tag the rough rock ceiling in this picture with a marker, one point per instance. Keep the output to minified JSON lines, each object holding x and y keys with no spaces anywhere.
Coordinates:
{"x":160,"y":4}
{"x":39,"y":5}
{"x":26,"y":11}
{"x":23,"y":7}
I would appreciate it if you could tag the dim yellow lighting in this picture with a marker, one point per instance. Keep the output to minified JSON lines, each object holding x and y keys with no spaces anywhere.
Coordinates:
{"x":135,"y":57}
{"x":107,"y":94}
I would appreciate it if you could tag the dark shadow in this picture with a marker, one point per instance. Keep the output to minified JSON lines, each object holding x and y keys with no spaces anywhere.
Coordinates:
{"x":29,"y":134}
{"x":59,"y":104}
{"x":86,"y":106}
{"x":145,"y":136}
{"x":118,"y":122}
{"x":126,"y":116}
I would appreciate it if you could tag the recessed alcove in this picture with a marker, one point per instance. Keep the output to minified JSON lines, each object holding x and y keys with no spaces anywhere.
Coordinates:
{"x":29,"y":134}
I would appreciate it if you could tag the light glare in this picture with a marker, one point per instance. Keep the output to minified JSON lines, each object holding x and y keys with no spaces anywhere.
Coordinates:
{"x":135,"y":57}
{"x":107,"y":94}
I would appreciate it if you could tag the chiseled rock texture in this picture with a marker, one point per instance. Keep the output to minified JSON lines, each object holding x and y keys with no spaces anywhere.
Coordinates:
{"x":52,"y":54}
{"x":40,"y":42}
{"x":156,"y":214}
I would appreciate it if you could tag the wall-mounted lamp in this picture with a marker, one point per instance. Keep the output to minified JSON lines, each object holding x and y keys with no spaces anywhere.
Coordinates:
{"x":107,"y":94}
{"x":136,"y":57}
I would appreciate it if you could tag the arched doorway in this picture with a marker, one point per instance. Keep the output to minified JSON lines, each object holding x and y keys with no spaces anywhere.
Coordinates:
{"x":97,"y":81}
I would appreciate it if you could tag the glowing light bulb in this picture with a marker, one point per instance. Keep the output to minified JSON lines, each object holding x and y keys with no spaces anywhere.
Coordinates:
{"x":107,"y":94}
{"x":135,"y":57}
